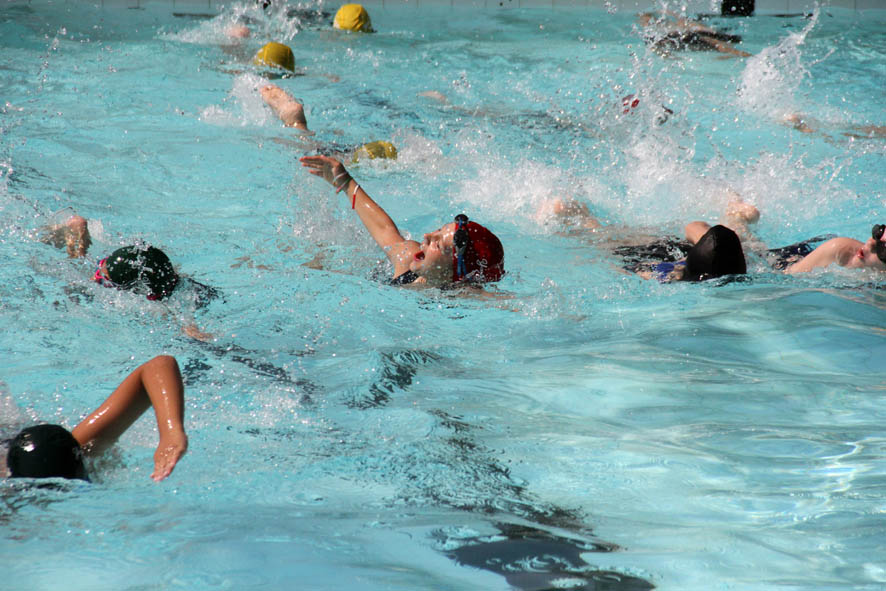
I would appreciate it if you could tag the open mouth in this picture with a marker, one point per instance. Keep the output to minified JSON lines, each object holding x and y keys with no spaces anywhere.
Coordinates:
{"x":419,"y":256}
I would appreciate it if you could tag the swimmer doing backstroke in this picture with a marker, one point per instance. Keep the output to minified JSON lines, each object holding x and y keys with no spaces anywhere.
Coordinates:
{"x":462,"y":252}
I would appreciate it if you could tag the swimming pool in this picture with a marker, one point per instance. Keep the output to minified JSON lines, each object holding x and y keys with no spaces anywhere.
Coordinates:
{"x":592,"y":430}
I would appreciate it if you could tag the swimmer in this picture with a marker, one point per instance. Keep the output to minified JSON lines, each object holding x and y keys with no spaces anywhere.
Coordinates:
{"x":139,"y":268}
{"x":51,"y":451}
{"x":273,"y":60}
{"x":354,"y":18}
{"x":709,"y":251}
{"x":292,"y":114}
{"x":806,"y":124}
{"x":670,"y":32}
{"x":275,"y":55}
{"x":845,"y":252}
{"x":458,"y":253}
{"x":555,"y":117}
{"x":630,"y":103}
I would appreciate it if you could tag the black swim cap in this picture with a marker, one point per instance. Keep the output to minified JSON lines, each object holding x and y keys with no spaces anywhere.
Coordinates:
{"x":718,"y":253}
{"x":131,"y":264}
{"x":45,"y":451}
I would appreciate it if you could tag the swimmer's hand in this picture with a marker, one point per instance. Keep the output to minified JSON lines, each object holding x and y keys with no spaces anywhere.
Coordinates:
{"x":327,"y":168}
{"x":73,"y":235}
{"x":171,"y":448}
{"x":192,"y":331}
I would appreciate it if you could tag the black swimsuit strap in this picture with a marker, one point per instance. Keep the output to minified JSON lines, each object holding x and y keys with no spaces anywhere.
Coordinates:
{"x":404,"y":279}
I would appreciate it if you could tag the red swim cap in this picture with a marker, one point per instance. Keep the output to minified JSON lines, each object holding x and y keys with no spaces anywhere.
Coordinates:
{"x":484,"y":257}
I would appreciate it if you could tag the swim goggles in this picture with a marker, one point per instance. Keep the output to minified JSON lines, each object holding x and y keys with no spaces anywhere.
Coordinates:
{"x":877,"y":235}
{"x":99,"y":277}
{"x":462,"y":240}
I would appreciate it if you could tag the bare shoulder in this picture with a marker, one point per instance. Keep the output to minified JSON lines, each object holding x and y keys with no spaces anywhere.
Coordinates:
{"x":838,"y":250}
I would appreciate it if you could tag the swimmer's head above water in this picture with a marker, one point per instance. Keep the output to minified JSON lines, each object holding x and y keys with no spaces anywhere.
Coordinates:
{"x":377,"y":149}
{"x":353,"y":17}
{"x":275,"y":55}
{"x":139,"y":266}
{"x":716,"y":254}
{"x":460,"y":252}
{"x":478,"y":254}
{"x":45,"y":451}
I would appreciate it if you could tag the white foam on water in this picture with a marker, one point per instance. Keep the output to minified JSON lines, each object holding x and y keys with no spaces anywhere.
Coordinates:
{"x":243,"y":106}
{"x":770,"y":79}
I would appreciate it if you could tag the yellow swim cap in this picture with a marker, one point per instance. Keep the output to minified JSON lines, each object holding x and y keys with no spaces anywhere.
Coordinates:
{"x":275,"y":54}
{"x":353,"y":17}
{"x":373,"y":150}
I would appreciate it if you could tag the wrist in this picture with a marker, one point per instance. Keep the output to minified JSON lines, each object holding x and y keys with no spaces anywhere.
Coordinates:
{"x":342,"y":182}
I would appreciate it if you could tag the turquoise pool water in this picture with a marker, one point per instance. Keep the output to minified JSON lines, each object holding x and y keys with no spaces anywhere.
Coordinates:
{"x":588,"y":430}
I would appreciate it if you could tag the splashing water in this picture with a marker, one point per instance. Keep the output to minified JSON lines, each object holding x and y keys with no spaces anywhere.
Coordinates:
{"x":770,"y":79}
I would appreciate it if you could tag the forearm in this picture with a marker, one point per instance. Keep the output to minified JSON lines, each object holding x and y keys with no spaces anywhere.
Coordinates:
{"x":103,"y":426}
{"x":382,"y":228}
{"x":163,"y":384}
{"x":380,"y":225}
{"x":157,"y":383}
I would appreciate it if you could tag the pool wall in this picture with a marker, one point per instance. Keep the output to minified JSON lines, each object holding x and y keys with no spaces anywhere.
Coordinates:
{"x":762,"y":7}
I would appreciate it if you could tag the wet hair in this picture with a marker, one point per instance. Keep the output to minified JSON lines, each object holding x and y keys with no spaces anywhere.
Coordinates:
{"x":144,"y":264}
{"x":45,"y":451}
{"x":717,"y":253}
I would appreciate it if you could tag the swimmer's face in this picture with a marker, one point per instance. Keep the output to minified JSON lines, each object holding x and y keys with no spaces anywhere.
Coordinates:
{"x":867,"y":256}
{"x":434,"y":261}
{"x":101,"y":274}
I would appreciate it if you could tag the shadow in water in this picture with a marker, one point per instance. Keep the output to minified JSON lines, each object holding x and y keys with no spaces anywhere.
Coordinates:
{"x":397,"y":371}
{"x":532,"y":559}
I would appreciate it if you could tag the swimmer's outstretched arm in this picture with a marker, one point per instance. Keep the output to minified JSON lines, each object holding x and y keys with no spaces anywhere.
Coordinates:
{"x":380,"y":225}
{"x":157,"y":383}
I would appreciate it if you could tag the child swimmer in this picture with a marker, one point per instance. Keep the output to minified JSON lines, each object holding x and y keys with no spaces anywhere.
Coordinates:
{"x":460,"y":252}
{"x":51,"y":451}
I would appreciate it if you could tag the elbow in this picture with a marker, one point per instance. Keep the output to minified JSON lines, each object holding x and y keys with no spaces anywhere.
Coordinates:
{"x":164,"y":363}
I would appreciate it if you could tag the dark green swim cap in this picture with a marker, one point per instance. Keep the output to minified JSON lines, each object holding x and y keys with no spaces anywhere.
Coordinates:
{"x":45,"y":451}
{"x":130,"y":265}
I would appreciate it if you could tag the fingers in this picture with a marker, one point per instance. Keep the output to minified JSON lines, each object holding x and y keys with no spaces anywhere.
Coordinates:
{"x":317,"y":161}
{"x":314,"y":164}
{"x":165,"y":459}
{"x":164,"y":463}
